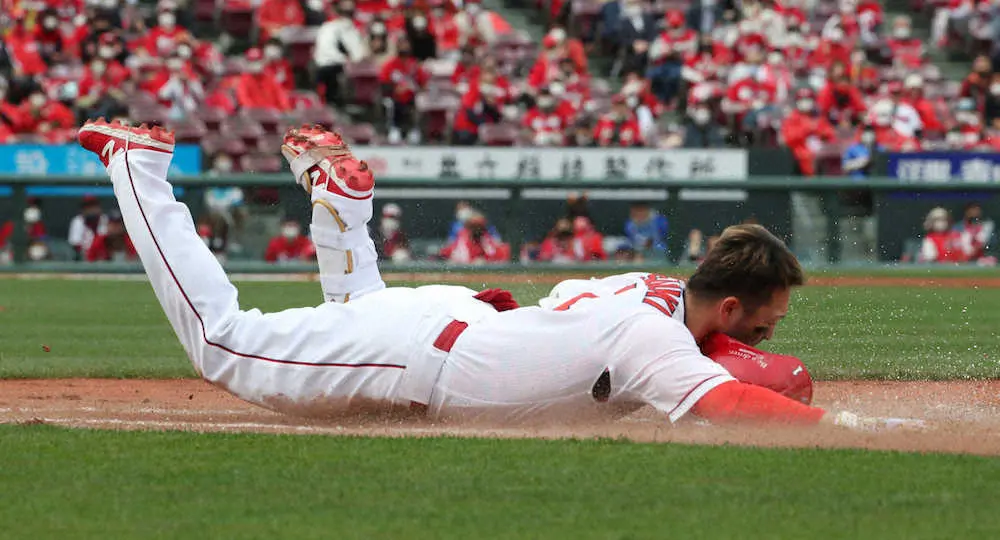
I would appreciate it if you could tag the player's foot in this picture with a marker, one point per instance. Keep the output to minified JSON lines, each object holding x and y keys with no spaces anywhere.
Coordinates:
{"x":108,"y":140}
{"x":335,"y":179}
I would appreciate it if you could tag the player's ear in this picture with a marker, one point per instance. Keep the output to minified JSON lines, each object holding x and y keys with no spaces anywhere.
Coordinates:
{"x":729,"y":310}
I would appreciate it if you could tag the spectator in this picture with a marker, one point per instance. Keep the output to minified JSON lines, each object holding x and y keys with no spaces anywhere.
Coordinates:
{"x":391,"y":240}
{"x":49,"y":39}
{"x":913,"y":97}
{"x":746,"y":101}
{"x":162,"y":39}
{"x":968,"y":126}
{"x":619,"y":127}
{"x":6,"y":251}
{"x":338,"y":41}
{"x":905,"y":118}
{"x":547,"y":122}
{"x":103,"y":87}
{"x":570,"y":85}
{"x":445,"y":29}
{"x":667,"y":54}
{"x":203,"y":56}
{"x":700,"y":128}
{"x":420,"y":36}
{"x":227,"y":213}
{"x":290,"y":245}
{"x":646,"y":230}
{"x":975,"y":233}
{"x":317,"y":12}
{"x":276,"y":66}
{"x":33,"y":224}
{"x":475,"y":245}
{"x":857,"y":159}
{"x":839,"y":101}
{"x":804,"y":132}
{"x":380,"y":47}
{"x":977,"y":83}
{"x":24,"y":51}
{"x":548,"y":67}
{"x":90,"y":223}
{"x":941,"y":243}
{"x":45,"y":117}
{"x":905,"y":49}
{"x":577,"y":205}
{"x":478,"y":26}
{"x":886,"y":134}
{"x":466,"y":69}
{"x":482,"y":104}
{"x":991,"y":104}
{"x":178,"y":88}
{"x":273,"y":15}
{"x":463,"y":212}
{"x":402,"y":77}
{"x":832,"y":49}
{"x":257,"y":89}
{"x":642,"y":102}
{"x":953,"y":13}
{"x":572,"y":241}
{"x":636,"y":30}
{"x":114,"y":245}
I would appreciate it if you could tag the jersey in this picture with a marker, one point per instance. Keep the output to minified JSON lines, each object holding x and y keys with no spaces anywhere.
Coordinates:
{"x":659,"y":292}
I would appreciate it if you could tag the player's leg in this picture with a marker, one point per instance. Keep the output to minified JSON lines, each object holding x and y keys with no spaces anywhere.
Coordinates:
{"x":340,"y":188}
{"x":288,"y":361}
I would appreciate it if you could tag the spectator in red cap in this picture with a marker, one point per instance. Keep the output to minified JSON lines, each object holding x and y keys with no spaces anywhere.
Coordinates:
{"x":102,"y":88}
{"x":290,"y":245}
{"x":804,"y":132}
{"x":547,"y":122}
{"x":549,"y":64}
{"x":887,"y":136}
{"x":466,"y":69}
{"x":24,"y":50}
{"x":402,"y":77}
{"x":619,"y":127}
{"x":257,"y":89}
{"x":746,"y":100}
{"x":913,"y":96}
{"x":273,"y":15}
{"x":839,"y":100}
{"x":905,"y":49}
{"x":668,"y":53}
{"x":114,"y":245}
{"x":162,"y":38}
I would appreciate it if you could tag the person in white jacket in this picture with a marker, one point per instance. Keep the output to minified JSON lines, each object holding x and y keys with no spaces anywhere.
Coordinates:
{"x":338,"y":41}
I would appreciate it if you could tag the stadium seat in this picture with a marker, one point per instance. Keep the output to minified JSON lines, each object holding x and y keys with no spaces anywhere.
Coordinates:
{"x":212,"y":118}
{"x":149,"y":115}
{"x":362,"y":78}
{"x":190,"y":130}
{"x":362,"y":134}
{"x":299,"y":42}
{"x":503,"y":134}
{"x":237,"y":20}
{"x":242,"y":128}
{"x":435,"y":109}
{"x":206,"y":10}
{"x":262,"y":163}
{"x":305,"y":99}
{"x":269,"y":119}
{"x":584,"y":16}
{"x":216,"y":143}
{"x":270,"y":143}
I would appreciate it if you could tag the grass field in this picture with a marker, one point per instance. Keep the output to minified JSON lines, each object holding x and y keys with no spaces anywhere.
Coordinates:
{"x":61,"y":483}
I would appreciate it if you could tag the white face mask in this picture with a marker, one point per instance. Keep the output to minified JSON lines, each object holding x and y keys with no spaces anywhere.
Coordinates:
{"x":223,"y":165}
{"x":255,"y":67}
{"x":167,"y":20}
{"x":98,"y":67}
{"x":804,"y":105}
{"x":419,"y":23}
{"x":473,"y":9}
{"x":106,"y":52}
{"x":272,"y":52}
{"x":463,"y":214}
{"x":184,"y":51}
{"x":939,"y":225}
{"x":38,"y":252}
{"x":37,"y":100}
{"x":175,"y":64}
{"x":954,"y":138}
{"x":995,"y":89}
{"x":290,"y":232}
{"x":50,"y":23}
{"x":32,"y":215}
{"x":901,"y":33}
{"x":701,"y":115}
{"x":546,"y":102}
{"x":390,"y":225}
{"x":315,"y":5}
{"x":868,"y":137}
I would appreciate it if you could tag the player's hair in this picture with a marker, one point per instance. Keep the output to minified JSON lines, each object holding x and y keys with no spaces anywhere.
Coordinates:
{"x":747,"y":262}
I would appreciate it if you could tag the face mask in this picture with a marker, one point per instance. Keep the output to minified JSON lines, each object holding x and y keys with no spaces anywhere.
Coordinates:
{"x":290,"y":232}
{"x":106,"y":52}
{"x":315,"y":5}
{"x":995,"y":89}
{"x":32,"y":215}
{"x":390,"y":225}
{"x":38,"y":252}
{"x":463,"y":214}
{"x":775,"y":59}
{"x":473,"y":9}
{"x":939,"y":225}
{"x":272,"y":53}
{"x":175,"y":64}
{"x":37,"y":100}
{"x":632,"y":102}
{"x":223,"y":165}
{"x":971,"y":138}
{"x":167,"y":20}
{"x":50,"y":23}
{"x":546,"y":102}
{"x":255,"y":67}
{"x":98,"y":67}
{"x":701,"y":116}
{"x":954,"y":138}
{"x":184,"y":51}
{"x":419,"y":23}
{"x":804,"y":105}
{"x":901,"y":33}
{"x":868,"y":137}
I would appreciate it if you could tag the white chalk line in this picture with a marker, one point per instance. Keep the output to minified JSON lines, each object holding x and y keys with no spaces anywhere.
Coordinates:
{"x":143,"y":410}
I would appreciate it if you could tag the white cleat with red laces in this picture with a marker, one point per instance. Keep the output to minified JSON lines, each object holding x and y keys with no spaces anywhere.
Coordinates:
{"x":340,"y":187}
{"x":107,"y":140}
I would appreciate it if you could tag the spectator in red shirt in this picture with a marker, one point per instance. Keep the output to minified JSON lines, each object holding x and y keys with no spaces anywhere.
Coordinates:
{"x":941,"y":243}
{"x":831,"y":50}
{"x":482,"y":104}
{"x":25,"y":51}
{"x":257,"y":89}
{"x":466,"y":69}
{"x":49,"y":118}
{"x":53,"y":45}
{"x":906,"y":50}
{"x":547,"y":122}
{"x":977,"y":83}
{"x":840,"y":101}
{"x":162,"y":38}
{"x":882,"y":116}
{"x":619,"y":127}
{"x":290,"y":245}
{"x":391,"y":241}
{"x":10,"y":114}
{"x":668,"y":53}
{"x":746,"y":100}
{"x":273,"y":15}
{"x":402,"y":77}
{"x":102,"y":88}
{"x":572,"y":242}
{"x":913,"y":95}
{"x":446,"y":31}
{"x":804,"y":132}
{"x":115,"y":245}
{"x":277,"y":66}
{"x":475,"y":245}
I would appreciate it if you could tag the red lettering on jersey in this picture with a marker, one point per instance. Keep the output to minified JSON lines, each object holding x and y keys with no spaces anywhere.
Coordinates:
{"x":663,"y":293}
{"x":569,"y":303}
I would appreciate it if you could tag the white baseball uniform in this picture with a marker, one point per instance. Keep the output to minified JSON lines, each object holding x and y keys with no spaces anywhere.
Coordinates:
{"x":435,"y":346}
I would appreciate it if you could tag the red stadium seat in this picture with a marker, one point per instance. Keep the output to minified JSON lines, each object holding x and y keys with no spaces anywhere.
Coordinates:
{"x":191,"y":130}
{"x":362,"y":78}
{"x":584,"y":15}
{"x":242,"y":128}
{"x":270,"y":143}
{"x":435,"y":109}
{"x":237,"y":20}
{"x":149,"y":115}
{"x":362,"y":134}
{"x":299,"y":42}
{"x":212,"y":118}
{"x":261,"y":163}
{"x":206,"y":10}
{"x":499,"y":134}
{"x":215,"y":144}
{"x":269,"y":119}
{"x":305,"y":99}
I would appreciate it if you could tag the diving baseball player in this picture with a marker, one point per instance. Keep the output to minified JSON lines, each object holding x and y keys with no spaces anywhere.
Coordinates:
{"x":447,"y":352}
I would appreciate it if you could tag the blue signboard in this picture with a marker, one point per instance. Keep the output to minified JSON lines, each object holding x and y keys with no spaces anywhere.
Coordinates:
{"x":945,"y":167}
{"x":72,"y":160}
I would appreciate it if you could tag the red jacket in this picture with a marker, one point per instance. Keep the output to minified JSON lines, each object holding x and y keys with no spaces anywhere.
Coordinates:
{"x":827,"y":53}
{"x":273,"y":15}
{"x":553,"y":123}
{"x":683,"y":45}
{"x":586,"y":246}
{"x":836,"y":103}
{"x":50,"y":41}
{"x":446,"y":33}
{"x":546,"y":69}
{"x":53,"y":113}
{"x":928,"y":114}
{"x":746,"y":92}
{"x":114,"y":76}
{"x":160,"y":41}
{"x":406,"y":76}
{"x":945,"y":246}
{"x":909,"y":52}
{"x":25,"y":52}
{"x":261,"y":91}
{"x":465,"y":250}
{"x":282,"y":249}
{"x":281,"y":71}
{"x":611,"y":131}
{"x":798,"y":130}
{"x":99,"y":250}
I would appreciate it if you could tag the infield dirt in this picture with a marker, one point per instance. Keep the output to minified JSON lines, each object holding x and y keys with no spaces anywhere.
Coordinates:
{"x":962,"y":416}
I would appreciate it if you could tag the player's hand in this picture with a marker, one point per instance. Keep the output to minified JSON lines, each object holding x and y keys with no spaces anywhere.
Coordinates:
{"x":872,"y":424}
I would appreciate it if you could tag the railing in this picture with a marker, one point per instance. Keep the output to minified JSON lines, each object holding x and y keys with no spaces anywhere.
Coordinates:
{"x":826,"y":187}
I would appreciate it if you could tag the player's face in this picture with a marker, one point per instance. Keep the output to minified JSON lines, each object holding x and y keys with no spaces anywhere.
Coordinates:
{"x":756,"y":326}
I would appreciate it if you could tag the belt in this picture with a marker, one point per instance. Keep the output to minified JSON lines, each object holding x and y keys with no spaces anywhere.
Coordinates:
{"x":444,"y":342}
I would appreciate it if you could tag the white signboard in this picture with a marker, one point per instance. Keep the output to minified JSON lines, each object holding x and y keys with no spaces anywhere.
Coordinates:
{"x":547,"y":164}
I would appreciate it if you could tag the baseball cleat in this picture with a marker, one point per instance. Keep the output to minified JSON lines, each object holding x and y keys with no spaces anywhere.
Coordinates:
{"x":333,"y":177}
{"x":107,"y":140}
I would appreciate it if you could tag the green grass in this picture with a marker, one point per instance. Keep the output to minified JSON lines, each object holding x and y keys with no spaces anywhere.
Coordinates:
{"x":116,"y":329}
{"x":89,"y":484}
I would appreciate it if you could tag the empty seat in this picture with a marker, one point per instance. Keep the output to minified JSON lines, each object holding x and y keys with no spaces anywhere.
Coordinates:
{"x":362,"y":79}
{"x":435,"y":109}
{"x":215,"y":143}
{"x":503,"y":134}
{"x":262,"y":163}
{"x":212,"y":118}
{"x":305,"y":99}
{"x":206,"y":10}
{"x":270,"y":143}
{"x":299,"y":42}
{"x":237,"y":20}
{"x":190,"y":130}
{"x":269,"y":119}
{"x":363,"y":133}
{"x":242,"y":128}
{"x":149,"y":115}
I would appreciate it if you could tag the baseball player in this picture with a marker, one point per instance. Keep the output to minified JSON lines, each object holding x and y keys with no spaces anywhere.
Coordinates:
{"x":447,"y":352}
